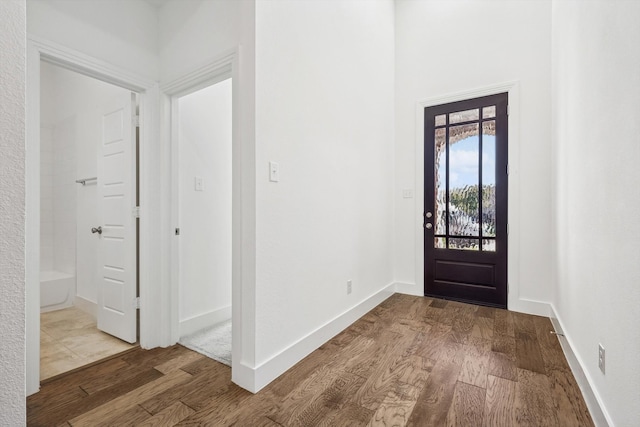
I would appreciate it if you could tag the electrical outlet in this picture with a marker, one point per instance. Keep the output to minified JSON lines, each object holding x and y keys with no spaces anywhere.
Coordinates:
{"x":601,"y":357}
{"x":348,"y":287}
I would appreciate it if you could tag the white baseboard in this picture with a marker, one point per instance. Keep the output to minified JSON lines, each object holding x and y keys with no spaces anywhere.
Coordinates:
{"x":254,"y":379}
{"x":528,"y":306}
{"x":594,"y":403}
{"x":520,"y":305}
{"x":409,"y":289}
{"x":201,"y":321}
{"x":86,"y":305}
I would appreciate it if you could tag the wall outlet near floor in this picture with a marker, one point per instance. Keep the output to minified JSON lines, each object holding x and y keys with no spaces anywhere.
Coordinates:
{"x":348,"y":287}
{"x":601,"y":357}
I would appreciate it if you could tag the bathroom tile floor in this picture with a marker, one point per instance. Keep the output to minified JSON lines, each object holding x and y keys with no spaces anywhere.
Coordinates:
{"x":69,"y":339}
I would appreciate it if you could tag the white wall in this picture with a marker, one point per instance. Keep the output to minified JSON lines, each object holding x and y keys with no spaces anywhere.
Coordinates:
{"x":597,"y":202}
{"x":324,"y":112}
{"x":64,"y":195}
{"x":445,"y":47}
{"x":205,"y":216}
{"x":46,"y":198}
{"x":122,"y":33}
{"x":12,"y":213}
{"x":193,"y":31}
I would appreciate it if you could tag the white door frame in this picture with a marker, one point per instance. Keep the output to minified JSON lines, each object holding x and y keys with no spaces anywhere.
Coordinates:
{"x":42,"y":49}
{"x":214,"y":71}
{"x":514,"y":300}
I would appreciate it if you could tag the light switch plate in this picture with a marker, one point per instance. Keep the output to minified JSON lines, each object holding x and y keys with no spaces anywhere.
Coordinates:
{"x":274,"y":172}
{"x":407,"y":193}
{"x":199,"y":183}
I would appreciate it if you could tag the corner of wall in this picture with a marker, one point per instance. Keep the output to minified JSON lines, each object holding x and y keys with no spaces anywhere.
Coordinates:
{"x":528,"y":306}
{"x":409,"y":289}
{"x":256,"y":378}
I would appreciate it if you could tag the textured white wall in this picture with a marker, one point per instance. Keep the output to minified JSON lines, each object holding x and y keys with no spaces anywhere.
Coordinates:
{"x":12,"y":212}
{"x":205,"y":216}
{"x":324,"y":112}
{"x":596,"y":140}
{"x":445,"y":47}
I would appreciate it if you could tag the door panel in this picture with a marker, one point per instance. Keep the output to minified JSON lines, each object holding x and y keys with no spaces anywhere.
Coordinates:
{"x":465,"y":212}
{"x":117,"y":286}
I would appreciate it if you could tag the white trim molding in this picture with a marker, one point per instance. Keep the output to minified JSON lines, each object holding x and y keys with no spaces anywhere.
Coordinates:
{"x":599,"y":414}
{"x":39,"y":49}
{"x":201,"y":321}
{"x":209,"y":73}
{"x":85,"y":64}
{"x":258,"y":377}
{"x":226,"y":65}
{"x":409,"y":289}
{"x":514,"y":300}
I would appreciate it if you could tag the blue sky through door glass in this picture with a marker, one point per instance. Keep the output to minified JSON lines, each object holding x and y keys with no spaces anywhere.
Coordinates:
{"x":463,"y":159}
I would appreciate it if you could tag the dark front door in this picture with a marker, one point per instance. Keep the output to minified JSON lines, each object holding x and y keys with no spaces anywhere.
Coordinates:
{"x":465,"y":203}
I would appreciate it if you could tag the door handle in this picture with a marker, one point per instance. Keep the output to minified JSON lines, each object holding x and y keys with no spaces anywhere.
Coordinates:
{"x":96,"y":230}
{"x":426,"y":224}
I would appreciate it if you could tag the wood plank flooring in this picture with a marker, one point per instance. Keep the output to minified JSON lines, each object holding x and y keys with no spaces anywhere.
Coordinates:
{"x":410,"y":361}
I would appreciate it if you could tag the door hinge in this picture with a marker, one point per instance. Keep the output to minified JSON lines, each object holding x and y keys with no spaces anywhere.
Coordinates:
{"x":507,"y":168}
{"x":507,"y":229}
{"x":508,"y":109}
{"x":135,"y":121}
{"x":136,"y":303}
{"x":136,"y":212}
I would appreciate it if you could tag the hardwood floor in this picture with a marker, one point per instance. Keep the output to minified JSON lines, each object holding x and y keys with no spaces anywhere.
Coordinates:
{"x":410,"y":361}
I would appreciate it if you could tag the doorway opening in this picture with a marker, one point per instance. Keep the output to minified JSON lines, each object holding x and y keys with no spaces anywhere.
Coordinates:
{"x":88,"y":227}
{"x":202,"y":137}
{"x":465,"y":200}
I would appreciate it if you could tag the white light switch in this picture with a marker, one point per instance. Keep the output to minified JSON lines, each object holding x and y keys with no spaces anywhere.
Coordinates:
{"x":199,"y":183}
{"x":407,"y":193}
{"x":274,"y":172}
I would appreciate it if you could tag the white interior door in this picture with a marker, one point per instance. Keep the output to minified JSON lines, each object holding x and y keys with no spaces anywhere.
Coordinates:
{"x":117,"y":285}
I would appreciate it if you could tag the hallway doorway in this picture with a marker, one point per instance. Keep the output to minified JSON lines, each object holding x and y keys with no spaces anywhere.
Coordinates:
{"x":203,"y":139}
{"x":88,"y":194}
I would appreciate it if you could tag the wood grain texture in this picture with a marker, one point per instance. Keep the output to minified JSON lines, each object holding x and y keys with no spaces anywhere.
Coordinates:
{"x":396,"y":407}
{"x":433,"y":404}
{"x":534,"y":406}
{"x":528,"y":353}
{"x":410,"y":361}
{"x":169,"y":416}
{"x":114,"y":408}
{"x":467,"y":408}
{"x":499,"y":402}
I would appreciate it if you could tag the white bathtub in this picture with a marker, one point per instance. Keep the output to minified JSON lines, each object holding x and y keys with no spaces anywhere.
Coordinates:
{"x":57,"y":290}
